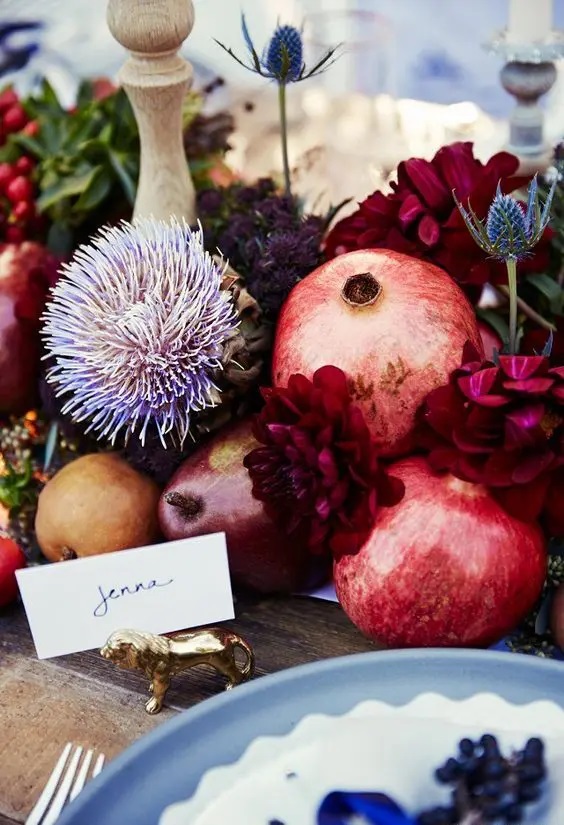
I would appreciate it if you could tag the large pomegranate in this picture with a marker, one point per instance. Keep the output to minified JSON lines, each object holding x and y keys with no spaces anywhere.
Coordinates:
{"x":212,"y":492}
{"x":446,"y":567}
{"x":396,"y":325}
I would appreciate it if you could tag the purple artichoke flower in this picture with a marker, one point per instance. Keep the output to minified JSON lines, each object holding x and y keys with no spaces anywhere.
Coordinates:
{"x":136,"y":327}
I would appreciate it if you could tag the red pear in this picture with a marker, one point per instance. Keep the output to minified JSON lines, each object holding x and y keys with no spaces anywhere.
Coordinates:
{"x":211,"y":492}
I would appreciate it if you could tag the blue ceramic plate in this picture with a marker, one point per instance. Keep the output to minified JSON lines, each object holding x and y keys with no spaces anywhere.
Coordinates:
{"x":166,"y":765}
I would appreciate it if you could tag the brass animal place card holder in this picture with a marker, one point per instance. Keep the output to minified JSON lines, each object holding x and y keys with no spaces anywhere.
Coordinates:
{"x":160,"y":657}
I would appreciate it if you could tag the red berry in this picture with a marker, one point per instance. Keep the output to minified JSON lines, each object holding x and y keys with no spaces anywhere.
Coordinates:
{"x":23,"y":210}
{"x":7,"y":175}
{"x":15,"y":234}
{"x":31,"y":128}
{"x":7,"y":99}
{"x":11,"y":559}
{"x":14,"y":119}
{"x":20,"y":189}
{"x":24,"y":165}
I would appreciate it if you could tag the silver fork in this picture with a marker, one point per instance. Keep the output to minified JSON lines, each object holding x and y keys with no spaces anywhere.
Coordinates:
{"x":64,"y":784}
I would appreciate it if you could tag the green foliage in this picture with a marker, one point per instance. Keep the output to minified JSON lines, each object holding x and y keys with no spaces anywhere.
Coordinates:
{"x":87,"y":160}
{"x":84,"y":157}
{"x":15,"y":485}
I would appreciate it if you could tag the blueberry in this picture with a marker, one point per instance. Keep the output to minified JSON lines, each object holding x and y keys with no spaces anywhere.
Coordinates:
{"x":493,"y":769}
{"x":466,"y":747}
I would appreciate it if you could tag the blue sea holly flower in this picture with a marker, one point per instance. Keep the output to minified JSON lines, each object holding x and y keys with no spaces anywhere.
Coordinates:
{"x":511,"y":229}
{"x":282,"y":58}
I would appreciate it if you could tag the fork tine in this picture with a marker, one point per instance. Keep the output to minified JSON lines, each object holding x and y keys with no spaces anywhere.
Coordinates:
{"x":60,"y":797}
{"x":81,"y":776}
{"x":42,"y":803}
{"x":99,"y":765}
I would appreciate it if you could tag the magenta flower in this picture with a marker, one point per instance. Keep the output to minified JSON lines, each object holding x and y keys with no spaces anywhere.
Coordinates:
{"x":500,"y":425}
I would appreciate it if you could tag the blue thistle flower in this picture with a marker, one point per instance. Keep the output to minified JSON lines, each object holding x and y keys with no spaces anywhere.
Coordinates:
{"x":284,"y":56}
{"x":282,"y":59}
{"x":511,"y":229}
{"x":137,"y":327}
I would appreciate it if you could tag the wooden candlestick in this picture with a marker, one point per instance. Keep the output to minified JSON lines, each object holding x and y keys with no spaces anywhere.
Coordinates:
{"x":156,"y":79}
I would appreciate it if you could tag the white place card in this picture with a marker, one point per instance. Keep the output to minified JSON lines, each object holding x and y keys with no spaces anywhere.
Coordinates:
{"x":76,"y":605}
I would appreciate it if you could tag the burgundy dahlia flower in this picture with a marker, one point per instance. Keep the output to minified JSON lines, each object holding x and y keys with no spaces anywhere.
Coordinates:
{"x":500,"y":425}
{"x":420,"y":216}
{"x":317,"y":468}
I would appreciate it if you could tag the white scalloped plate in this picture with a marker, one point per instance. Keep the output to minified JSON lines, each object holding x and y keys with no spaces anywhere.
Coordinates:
{"x":375,"y":746}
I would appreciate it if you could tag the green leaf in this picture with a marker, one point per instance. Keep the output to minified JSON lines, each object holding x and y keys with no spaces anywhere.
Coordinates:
{"x":549,"y":288}
{"x":119,"y":165}
{"x":60,"y":239}
{"x":67,"y":187}
{"x":85,"y":94}
{"x":30,"y":144}
{"x":495,"y":321}
{"x":51,"y":135}
{"x":83,"y":129}
{"x":49,"y":96}
{"x":98,"y":189}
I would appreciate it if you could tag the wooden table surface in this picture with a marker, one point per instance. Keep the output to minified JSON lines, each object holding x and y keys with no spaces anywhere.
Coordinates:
{"x":85,"y":699}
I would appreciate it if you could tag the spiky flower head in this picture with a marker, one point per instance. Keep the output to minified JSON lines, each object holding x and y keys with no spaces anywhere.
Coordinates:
{"x":282,"y":59}
{"x":511,"y":229}
{"x":284,"y":55}
{"x":137,"y":327}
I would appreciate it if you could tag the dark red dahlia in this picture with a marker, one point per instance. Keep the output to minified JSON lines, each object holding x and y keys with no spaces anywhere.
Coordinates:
{"x":420,"y":216}
{"x":500,"y":425}
{"x":317,"y":469}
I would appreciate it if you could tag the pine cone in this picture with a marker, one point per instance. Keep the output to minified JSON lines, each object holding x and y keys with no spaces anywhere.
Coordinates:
{"x":246,"y":358}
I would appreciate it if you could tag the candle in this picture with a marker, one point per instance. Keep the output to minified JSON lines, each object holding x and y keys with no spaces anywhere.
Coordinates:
{"x":530,"y":21}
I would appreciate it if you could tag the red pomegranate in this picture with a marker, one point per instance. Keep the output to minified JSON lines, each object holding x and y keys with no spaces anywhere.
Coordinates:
{"x":27,"y":271}
{"x":446,"y":567}
{"x":211,"y":492}
{"x":394,"y":324}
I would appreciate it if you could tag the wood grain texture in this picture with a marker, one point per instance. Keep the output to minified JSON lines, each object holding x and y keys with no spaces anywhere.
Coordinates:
{"x":156,"y":80}
{"x":85,"y":699}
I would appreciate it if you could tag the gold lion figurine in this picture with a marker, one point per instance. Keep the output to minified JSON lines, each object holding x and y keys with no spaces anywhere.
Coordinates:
{"x":161,"y":657}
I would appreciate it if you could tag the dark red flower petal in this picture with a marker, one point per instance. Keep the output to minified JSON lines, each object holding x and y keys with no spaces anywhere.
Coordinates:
{"x":428,"y":231}
{"x":521,"y":367}
{"x":531,"y":386}
{"x":428,"y":183}
{"x":410,"y":210}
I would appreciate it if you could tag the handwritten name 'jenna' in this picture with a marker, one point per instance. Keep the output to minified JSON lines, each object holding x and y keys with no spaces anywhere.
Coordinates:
{"x":127,"y":590}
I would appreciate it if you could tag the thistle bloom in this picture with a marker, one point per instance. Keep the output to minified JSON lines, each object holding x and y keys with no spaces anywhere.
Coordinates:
{"x":511,"y":230}
{"x":509,"y":233}
{"x":317,"y":470}
{"x":136,"y":328}
{"x":282,"y":61}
